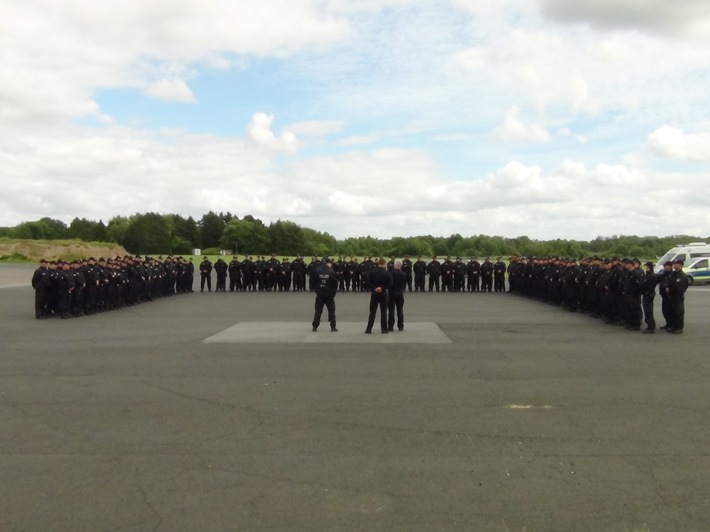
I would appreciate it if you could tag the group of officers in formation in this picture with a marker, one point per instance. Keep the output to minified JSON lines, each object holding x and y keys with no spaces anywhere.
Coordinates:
{"x":452,"y":275}
{"x":619,"y":291}
{"x":82,"y":287}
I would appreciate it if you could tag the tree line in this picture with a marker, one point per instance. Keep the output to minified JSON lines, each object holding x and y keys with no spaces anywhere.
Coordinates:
{"x":174,"y":234}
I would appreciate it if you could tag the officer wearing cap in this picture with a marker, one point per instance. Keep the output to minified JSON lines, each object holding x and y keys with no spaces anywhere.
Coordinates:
{"x":326,"y":286}
{"x":459,"y":275}
{"x":632,"y":291}
{"x":648,"y":290}
{"x":299,"y":274}
{"x":663,"y":279}
{"x":473,"y":272}
{"x":407,"y":271}
{"x":677,"y":285}
{"x":235,"y":274}
{"x":205,"y":274}
{"x":434,"y":271}
{"x":499,"y":268}
{"x":395,"y":300}
{"x":41,"y":282}
{"x":419,"y":269}
{"x":487,"y":275}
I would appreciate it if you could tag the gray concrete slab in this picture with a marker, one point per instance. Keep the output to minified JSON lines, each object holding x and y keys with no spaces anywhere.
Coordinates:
{"x":350,"y":332}
{"x":530,"y":419}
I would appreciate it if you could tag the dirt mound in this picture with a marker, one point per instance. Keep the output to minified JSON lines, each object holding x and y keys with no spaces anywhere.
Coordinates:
{"x":56,"y":249}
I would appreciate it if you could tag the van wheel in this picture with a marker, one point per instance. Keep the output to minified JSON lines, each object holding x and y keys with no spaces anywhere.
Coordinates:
{"x":690,"y":279}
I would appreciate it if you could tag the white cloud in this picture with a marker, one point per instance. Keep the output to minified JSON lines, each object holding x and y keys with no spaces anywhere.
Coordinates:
{"x":514,"y":130}
{"x":259,"y":131}
{"x":316,"y":128}
{"x":678,"y":18}
{"x":673,"y":143}
{"x":538,"y":61}
{"x":98,"y":173}
{"x":358,"y":140}
{"x":56,"y":55}
{"x":452,"y":137}
{"x":175,"y":90}
{"x":395,"y":73}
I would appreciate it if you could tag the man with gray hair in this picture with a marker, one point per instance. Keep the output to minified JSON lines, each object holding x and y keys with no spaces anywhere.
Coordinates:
{"x":396,"y":297}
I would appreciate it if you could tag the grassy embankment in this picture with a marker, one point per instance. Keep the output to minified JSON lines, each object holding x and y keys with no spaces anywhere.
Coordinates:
{"x":24,"y":251}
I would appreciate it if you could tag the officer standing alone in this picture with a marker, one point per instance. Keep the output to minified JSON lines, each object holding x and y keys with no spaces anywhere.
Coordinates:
{"x":326,"y":286}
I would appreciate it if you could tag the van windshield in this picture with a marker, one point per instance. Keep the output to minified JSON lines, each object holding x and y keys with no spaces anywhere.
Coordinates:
{"x":665,"y":258}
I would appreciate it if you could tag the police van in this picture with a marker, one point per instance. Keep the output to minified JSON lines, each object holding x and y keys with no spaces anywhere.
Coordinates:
{"x":684,"y":252}
{"x":698,"y":270}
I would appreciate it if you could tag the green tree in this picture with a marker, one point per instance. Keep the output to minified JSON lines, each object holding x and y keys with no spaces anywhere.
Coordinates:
{"x":286,"y":238}
{"x":211,"y":227}
{"x":42,"y":229}
{"x":244,"y":236}
{"x":116,"y":229}
{"x":317,"y":243}
{"x":83,"y":229}
{"x":148,"y":233}
{"x":186,"y":230}
{"x":180,"y":246}
{"x":100,"y":234}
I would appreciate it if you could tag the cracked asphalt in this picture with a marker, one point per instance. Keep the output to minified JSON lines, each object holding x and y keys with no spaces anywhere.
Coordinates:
{"x":531,"y":419}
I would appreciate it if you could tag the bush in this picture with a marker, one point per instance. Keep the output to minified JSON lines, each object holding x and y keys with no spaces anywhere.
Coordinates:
{"x":210,"y":251}
{"x":15,"y":257}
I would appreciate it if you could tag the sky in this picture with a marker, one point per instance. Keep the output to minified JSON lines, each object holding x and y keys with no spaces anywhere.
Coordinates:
{"x":545,"y":118}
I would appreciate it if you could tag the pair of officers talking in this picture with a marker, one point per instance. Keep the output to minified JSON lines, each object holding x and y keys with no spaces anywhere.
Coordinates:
{"x":386,"y":293}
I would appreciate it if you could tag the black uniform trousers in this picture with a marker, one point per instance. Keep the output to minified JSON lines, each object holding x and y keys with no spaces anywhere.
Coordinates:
{"x":647,"y":303}
{"x":378,"y":300}
{"x":41,"y":302}
{"x":329,"y":303}
{"x":395,"y":302}
{"x":677,"y":315}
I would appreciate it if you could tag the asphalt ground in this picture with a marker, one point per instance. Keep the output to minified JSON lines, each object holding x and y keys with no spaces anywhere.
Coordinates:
{"x":524,"y":418}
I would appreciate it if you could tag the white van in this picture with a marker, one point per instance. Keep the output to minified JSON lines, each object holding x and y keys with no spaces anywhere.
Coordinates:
{"x":684,"y":252}
{"x":698,"y":270}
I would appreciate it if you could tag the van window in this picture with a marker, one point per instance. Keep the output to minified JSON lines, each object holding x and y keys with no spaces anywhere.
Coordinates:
{"x":701,"y":264}
{"x":680,"y":256}
{"x":665,"y":258}
{"x":698,"y":254}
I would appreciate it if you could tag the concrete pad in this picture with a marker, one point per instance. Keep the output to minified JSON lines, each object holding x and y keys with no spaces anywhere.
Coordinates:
{"x":350,"y":332}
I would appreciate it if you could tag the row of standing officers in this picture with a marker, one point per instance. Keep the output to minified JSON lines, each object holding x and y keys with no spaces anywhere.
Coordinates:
{"x":619,"y":291}
{"x":448,"y":275}
{"x":71,"y":289}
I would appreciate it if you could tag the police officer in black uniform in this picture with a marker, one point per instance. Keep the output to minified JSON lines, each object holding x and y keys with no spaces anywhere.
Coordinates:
{"x":676,"y":287}
{"x":299,"y":274}
{"x":648,"y":290}
{"x":434,"y":271}
{"x":473,"y":273}
{"x":326,"y":286}
{"x":380,"y":281}
{"x":499,"y":275}
{"x":407,"y":271}
{"x":419,"y":268}
{"x":235,"y":274}
{"x":486,"y":275}
{"x":205,"y":274}
{"x":220,"y":268}
{"x":42,"y":282}
{"x":395,"y":299}
{"x":632,"y":289}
